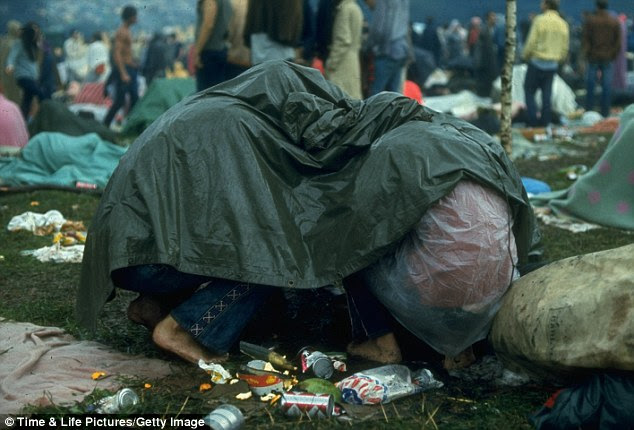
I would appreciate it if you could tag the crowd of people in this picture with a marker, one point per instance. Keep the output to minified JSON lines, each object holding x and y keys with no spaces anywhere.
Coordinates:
{"x":363,"y":56}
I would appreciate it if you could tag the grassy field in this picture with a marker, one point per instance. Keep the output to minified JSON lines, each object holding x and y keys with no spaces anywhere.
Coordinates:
{"x":43,"y":294}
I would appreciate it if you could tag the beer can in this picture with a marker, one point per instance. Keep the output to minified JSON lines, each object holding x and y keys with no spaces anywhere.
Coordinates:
{"x":85,"y":185}
{"x":314,"y":405}
{"x":320,"y":364}
{"x":225,"y":417}
{"x":124,"y":398}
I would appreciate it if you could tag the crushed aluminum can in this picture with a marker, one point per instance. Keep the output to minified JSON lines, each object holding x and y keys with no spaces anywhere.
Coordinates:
{"x":122,"y":399}
{"x":320,"y":364}
{"x":314,"y":405}
{"x":225,"y":417}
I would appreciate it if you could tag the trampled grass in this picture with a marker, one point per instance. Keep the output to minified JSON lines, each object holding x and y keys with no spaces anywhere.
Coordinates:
{"x":43,"y":294}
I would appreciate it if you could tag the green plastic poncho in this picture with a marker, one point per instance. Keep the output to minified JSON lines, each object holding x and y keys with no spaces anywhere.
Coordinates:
{"x":277,"y":178}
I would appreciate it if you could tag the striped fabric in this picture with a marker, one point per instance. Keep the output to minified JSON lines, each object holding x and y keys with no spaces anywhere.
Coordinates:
{"x":92,"y":93}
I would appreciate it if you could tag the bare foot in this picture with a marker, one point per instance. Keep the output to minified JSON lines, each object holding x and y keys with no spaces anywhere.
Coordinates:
{"x":170,"y":336}
{"x":382,"y":349}
{"x":147,"y":311}
{"x":465,"y":359}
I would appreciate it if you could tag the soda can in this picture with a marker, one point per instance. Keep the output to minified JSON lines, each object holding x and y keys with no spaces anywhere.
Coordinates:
{"x":225,"y":417}
{"x":320,"y":364}
{"x":122,"y":399}
{"x":85,"y":185}
{"x":314,"y":405}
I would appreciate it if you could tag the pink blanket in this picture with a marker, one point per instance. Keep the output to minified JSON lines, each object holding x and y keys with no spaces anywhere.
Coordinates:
{"x":43,"y":364}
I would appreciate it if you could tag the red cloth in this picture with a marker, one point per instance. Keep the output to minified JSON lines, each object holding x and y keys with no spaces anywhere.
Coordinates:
{"x":413,"y":91}
{"x":13,"y":130}
{"x":92,"y":93}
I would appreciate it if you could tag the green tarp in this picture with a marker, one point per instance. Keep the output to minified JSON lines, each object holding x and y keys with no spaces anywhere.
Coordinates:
{"x":162,"y":94}
{"x":277,"y":178}
{"x":605,"y":194}
{"x":59,"y":159}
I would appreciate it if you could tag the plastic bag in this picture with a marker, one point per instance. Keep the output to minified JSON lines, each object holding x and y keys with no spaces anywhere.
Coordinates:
{"x":446,"y":279}
{"x":384,"y":384}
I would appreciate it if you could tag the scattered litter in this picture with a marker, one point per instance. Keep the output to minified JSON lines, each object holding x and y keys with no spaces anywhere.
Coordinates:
{"x":319,"y":363}
{"x":57,"y":253}
{"x":37,"y":223}
{"x":261,"y":379}
{"x":261,"y":353}
{"x":123,"y":399}
{"x":204,"y":387}
{"x":98,"y":375}
{"x":574,"y":171}
{"x":225,"y":417}
{"x":567,"y":223}
{"x":244,"y":396}
{"x":314,"y":405}
{"x":383,"y":384}
{"x":219,"y":374}
{"x":320,"y":386}
{"x":268,"y":397}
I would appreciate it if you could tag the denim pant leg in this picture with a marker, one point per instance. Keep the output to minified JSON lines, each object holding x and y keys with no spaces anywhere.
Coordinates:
{"x":30,"y":90}
{"x":216,"y":314}
{"x":607,"y":75}
{"x":546,"y":85}
{"x":387,"y":75}
{"x":213,"y":70}
{"x":368,"y":317}
{"x":155,"y":279}
{"x":530,"y":88}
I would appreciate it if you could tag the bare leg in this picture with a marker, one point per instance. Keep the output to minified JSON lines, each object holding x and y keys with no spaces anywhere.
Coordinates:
{"x":170,"y":336}
{"x":383,"y":349}
{"x":465,"y":359}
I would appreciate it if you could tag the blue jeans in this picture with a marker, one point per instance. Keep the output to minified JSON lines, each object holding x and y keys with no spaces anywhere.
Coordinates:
{"x":388,"y":75}
{"x":606,"y":85}
{"x":535,"y":79}
{"x":122,"y":89}
{"x":213,"y":70}
{"x":30,"y":89}
{"x":214,"y":314}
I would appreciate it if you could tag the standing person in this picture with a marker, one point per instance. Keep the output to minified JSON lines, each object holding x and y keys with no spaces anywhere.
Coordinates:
{"x":323,"y":31}
{"x":125,"y":67}
{"x":9,"y":85}
{"x":388,"y":39}
{"x":620,"y":64}
{"x":485,"y":57}
{"x":473,"y":34}
{"x":274,"y":29}
{"x":601,"y":44}
{"x":23,"y":62}
{"x":546,"y":47}
{"x":343,"y":66}
{"x":210,"y":47}
{"x":98,"y":59}
{"x":75,"y":53}
{"x":156,"y":58}
{"x":239,"y":55}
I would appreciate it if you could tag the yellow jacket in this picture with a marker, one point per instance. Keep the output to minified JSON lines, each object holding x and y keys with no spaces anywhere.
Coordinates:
{"x":547,"y":38}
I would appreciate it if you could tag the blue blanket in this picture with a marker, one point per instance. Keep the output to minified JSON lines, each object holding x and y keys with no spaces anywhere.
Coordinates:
{"x":59,"y":159}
